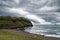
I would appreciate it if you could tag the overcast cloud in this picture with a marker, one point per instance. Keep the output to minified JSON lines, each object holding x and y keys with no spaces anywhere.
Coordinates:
{"x":42,"y":11}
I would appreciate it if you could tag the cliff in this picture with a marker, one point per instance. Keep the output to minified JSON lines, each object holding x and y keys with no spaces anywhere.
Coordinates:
{"x":8,"y":22}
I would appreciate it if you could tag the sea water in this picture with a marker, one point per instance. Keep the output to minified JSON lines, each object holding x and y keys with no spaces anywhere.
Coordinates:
{"x":46,"y":30}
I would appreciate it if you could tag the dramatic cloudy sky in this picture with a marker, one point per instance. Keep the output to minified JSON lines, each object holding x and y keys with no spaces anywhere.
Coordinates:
{"x":39,"y":11}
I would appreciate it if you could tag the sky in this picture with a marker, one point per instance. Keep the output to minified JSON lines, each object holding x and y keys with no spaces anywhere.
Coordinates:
{"x":38,"y":11}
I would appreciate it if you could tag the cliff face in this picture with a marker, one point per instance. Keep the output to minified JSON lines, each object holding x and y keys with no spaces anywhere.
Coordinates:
{"x":7,"y":22}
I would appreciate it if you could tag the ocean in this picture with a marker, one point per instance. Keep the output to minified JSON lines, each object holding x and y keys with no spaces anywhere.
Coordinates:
{"x":46,"y":30}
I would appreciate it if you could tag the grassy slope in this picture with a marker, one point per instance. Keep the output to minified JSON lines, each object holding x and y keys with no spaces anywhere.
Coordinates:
{"x":5,"y":35}
{"x":7,"y":21}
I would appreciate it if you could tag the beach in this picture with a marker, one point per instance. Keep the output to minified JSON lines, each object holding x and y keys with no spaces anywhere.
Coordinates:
{"x":30,"y":35}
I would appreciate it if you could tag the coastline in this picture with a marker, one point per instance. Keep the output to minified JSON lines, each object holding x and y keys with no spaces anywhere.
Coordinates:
{"x":30,"y":34}
{"x":45,"y":37}
{"x":9,"y":22}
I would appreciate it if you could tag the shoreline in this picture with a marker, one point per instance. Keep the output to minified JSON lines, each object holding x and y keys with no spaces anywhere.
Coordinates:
{"x":35,"y":35}
{"x":47,"y":37}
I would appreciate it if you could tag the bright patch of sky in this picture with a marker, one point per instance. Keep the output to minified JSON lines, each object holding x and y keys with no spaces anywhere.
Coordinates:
{"x":28,"y":15}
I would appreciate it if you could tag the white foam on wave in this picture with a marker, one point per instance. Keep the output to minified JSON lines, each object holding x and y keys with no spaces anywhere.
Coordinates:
{"x":46,"y":35}
{"x":50,"y":35}
{"x":41,"y":32}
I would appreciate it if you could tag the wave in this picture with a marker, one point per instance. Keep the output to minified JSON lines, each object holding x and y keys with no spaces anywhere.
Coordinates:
{"x":57,"y":35}
{"x":48,"y":32}
{"x":50,"y":35}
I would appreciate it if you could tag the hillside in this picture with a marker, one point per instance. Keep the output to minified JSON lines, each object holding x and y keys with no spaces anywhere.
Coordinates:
{"x":7,"y":22}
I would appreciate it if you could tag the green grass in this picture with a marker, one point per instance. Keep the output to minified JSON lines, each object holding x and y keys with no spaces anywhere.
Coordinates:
{"x":5,"y":35}
{"x":9,"y":22}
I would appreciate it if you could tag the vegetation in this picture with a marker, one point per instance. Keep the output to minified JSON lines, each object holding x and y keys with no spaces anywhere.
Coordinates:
{"x":14,"y":22}
{"x":10,"y":35}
